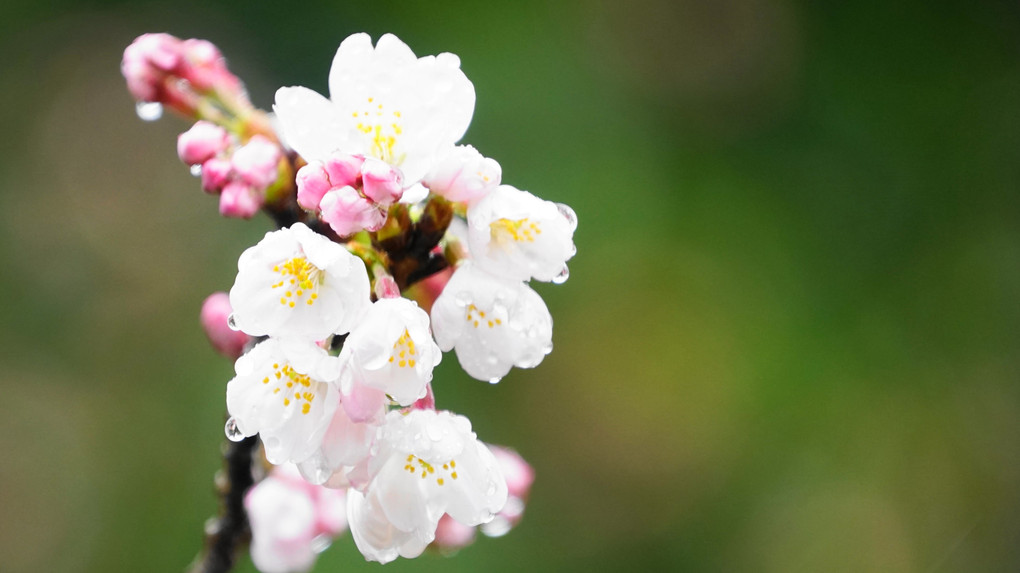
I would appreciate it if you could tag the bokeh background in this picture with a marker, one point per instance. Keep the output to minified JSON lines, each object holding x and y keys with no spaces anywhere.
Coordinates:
{"x":789,"y":342}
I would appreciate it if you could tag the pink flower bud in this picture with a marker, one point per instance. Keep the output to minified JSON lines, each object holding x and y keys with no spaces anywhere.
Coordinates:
{"x":463,"y":175}
{"x":452,"y":534}
{"x":256,"y":163}
{"x":215,"y":312}
{"x":202,"y":142}
{"x":347,"y":212}
{"x":386,"y":287}
{"x":381,"y":182}
{"x":344,"y":169}
{"x":518,"y":473}
{"x":206,"y":65}
{"x":239,"y":200}
{"x":216,"y":174}
{"x":146,"y":63}
{"x":312,"y":184}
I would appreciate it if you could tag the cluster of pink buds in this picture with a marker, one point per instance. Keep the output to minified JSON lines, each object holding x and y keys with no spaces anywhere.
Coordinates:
{"x":239,"y":174}
{"x":180,"y":74}
{"x":394,"y":245}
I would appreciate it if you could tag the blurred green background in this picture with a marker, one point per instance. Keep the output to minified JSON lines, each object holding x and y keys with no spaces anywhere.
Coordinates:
{"x":789,"y":342}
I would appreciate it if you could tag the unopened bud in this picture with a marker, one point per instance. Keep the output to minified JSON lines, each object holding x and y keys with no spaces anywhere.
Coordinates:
{"x":202,"y":142}
{"x":257,"y":161}
{"x":214,"y":316}
{"x":347,"y":212}
{"x":452,"y":534}
{"x":239,"y":200}
{"x":216,"y":174}
{"x":381,"y":182}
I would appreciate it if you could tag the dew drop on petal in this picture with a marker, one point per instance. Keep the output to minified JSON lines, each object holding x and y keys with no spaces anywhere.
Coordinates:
{"x":232,"y":323}
{"x":568,"y":214}
{"x":234,"y":434}
{"x":495,"y":379}
{"x":562,"y":277}
{"x":321,"y":543}
{"x":149,"y":110}
{"x":498,"y":527}
{"x":196,"y":170}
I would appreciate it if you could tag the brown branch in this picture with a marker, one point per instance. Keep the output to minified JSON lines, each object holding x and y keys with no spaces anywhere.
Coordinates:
{"x":229,"y":531}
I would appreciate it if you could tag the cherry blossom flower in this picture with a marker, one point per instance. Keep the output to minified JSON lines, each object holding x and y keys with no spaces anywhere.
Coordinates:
{"x":463,"y":175}
{"x":428,"y":463}
{"x":346,"y":445}
{"x":384,"y":103}
{"x":296,"y":283}
{"x":284,"y":391}
{"x":391,"y":352}
{"x":492,"y":323}
{"x":292,"y":520}
{"x":512,"y":233}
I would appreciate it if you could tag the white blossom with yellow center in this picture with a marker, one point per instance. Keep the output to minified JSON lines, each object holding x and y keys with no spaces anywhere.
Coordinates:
{"x":296,"y":283}
{"x":391,"y":351}
{"x":512,"y":233}
{"x":428,"y":464}
{"x":384,"y":103}
{"x":285,"y":391}
{"x":492,"y":323}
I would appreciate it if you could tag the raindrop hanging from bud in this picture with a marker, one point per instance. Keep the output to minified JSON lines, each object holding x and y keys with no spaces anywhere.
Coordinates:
{"x":196,"y":170}
{"x":495,"y":379}
{"x":234,"y":434}
{"x":232,"y":323}
{"x":149,"y":111}
{"x":562,"y":277}
{"x":568,"y":214}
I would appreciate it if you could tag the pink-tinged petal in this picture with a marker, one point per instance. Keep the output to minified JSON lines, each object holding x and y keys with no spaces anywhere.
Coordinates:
{"x":381,"y":182}
{"x":452,"y":534}
{"x":312,"y":184}
{"x":347,"y":212}
{"x":256,"y":162}
{"x":202,"y":142}
{"x":239,"y":200}
{"x":344,"y":169}
{"x":216,"y":174}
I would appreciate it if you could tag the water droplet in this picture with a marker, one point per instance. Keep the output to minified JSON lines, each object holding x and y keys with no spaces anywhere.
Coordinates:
{"x":573,"y":250}
{"x":234,"y":434}
{"x":232,"y":323}
{"x":562,"y":277}
{"x":321,"y":543}
{"x":498,"y":527}
{"x":568,"y":214}
{"x":495,"y":379}
{"x":149,"y":110}
{"x":196,"y":170}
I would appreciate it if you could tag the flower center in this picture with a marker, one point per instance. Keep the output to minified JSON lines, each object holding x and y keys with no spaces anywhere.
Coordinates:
{"x":477,"y":317}
{"x":382,"y":127}
{"x":300,"y":281}
{"x":295,"y":387}
{"x":416,"y":464}
{"x":519,"y":230}
{"x":403,"y":351}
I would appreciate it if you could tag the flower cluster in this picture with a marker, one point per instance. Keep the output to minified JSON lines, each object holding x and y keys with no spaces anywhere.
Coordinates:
{"x":395,"y":245}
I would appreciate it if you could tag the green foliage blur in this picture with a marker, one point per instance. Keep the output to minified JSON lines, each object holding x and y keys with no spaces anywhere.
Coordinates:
{"x":789,"y":341}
